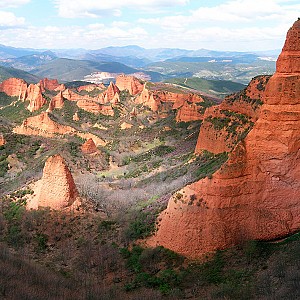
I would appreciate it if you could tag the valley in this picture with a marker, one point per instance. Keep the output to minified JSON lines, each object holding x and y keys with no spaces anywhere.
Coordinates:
{"x":182,"y":187}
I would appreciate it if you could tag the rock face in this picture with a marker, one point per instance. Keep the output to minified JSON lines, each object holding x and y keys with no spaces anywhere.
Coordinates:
{"x":56,"y":102}
{"x":91,"y":87}
{"x":57,"y":189}
{"x":226,"y":124}
{"x":2,"y":140}
{"x":188,"y":105}
{"x":42,"y":125}
{"x":89,"y":147}
{"x":110,"y":95}
{"x":255,"y":194}
{"x":51,"y":85}
{"x":130,"y":83}
{"x":14,"y":87}
{"x":35,"y":97}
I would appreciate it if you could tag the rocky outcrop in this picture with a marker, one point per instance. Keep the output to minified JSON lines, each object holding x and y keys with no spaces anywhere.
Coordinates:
{"x":255,"y":194}
{"x":90,"y":106}
{"x":226,"y":124}
{"x":72,"y":96}
{"x":188,"y":105}
{"x":14,"y":87}
{"x":56,"y":102}
{"x":42,"y":125}
{"x":189,"y":111}
{"x":51,"y":85}
{"x":35,"y":97}
{"x":110,"y":95}
{"x":130,"y":83}
{"x":89,"y":147}
{"x":57,"y":189}
{"x":91,"y":87}
{"x":75,"y":117}
{"x":2,"y":139}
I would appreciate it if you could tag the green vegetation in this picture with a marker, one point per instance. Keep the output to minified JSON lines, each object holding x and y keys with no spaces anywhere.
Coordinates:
{"x":71,"y":69}
{"x":17,"y":113}
{"x":209,"y":163}
{"x":5,"y":99}
{"x":6,"y":72}
{"x":219,"y":88}
{"x":144,"y":263}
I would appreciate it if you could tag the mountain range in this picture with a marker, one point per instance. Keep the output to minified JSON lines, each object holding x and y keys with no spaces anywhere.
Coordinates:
{"x":159,"y":63}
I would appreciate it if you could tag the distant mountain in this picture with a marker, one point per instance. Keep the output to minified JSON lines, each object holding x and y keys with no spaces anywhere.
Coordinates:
{"x":69,"y":69}
{"x":12,"y":72}
{"x":235,"y":59}
{"x":10,"y":52}
{"x":29,"y":62}
{"x":131,"y":61}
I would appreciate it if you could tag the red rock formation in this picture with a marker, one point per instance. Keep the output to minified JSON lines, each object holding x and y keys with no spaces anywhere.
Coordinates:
{"x":90,"y":106}
{"x":89,"y":147}
{"x":35,"y":97}
{"x":42,"y":125}
{"x":14,"y":87}
{"x":189,"y":112}
{"x":111,"y":95}
{"x":49,"y":84}
{"x":56,"y":102}
{"x":225,"y":124}
{"x":2,"y":140}
{"x":159,"y":100}
{"x":76,"y":117}
{"x":255,"y":195}
{"x":58,"y":189}
{"x":91,"y":87}
{"x":130,"y":83}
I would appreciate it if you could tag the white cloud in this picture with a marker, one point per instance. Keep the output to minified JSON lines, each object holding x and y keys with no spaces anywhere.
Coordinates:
{"x":94,"y":8}
{"x":12,"y":3}
{"x":93,"y":36}
{"x":8,"y":19}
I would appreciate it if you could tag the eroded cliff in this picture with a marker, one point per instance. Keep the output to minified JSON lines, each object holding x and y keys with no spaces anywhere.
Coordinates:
{"x":255,"y":194}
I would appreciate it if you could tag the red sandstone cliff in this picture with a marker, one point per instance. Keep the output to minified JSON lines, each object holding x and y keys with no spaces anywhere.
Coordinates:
{"x":42,"y":125}
{"x":91,"y":87}
{"x":14,"y":87}
{"x":110,"y":95}
{"x":226,"y":124}
{"x":56,"y":102}
{"x":57,"y":189}
{"x":35,"y":97}
{"x":188,"y":105}
{"x":2,"y":139}
{"x":255,"y":195}
{"x":51,"y":85}
{"x":130,"y":83}
{"x":89,"y":147}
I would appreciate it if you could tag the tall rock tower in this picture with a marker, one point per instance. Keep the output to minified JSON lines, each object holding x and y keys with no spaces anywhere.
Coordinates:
{"x":58,"y":189}
{"x":256,"y":193}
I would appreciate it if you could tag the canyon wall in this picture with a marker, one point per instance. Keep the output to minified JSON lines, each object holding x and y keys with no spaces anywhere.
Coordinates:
{"x":255,"y":194}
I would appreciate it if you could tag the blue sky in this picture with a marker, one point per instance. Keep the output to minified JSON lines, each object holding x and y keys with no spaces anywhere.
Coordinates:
{"x":234,"y":25}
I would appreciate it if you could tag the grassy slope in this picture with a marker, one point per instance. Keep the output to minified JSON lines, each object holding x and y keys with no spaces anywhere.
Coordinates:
{"x":219,"y":88}
{"x":11,"y":72}
{"x":242,"y":73}
{"x":69,"y":69}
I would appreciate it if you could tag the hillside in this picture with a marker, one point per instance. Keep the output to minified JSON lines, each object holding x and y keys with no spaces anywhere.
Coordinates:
{"x":29,"y":62}
{"x":6,"y":72}
{"x":219,"y":88}
{"x":70,"y":69}
{"x":152,"y":190}
{"x":214,"y":70}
